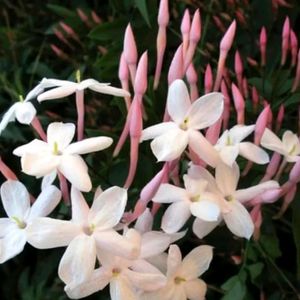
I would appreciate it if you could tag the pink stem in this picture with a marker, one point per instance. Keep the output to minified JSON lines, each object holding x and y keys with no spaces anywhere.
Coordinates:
{"x":64,"y":188}
{"x":6,"y":171}
{"x":80,"y":114}
{"x":37,"y":126}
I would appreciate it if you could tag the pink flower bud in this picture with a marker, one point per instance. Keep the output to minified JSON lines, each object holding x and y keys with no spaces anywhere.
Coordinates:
{"x":6,"y":171}
{"x":252,"y":62}
{"x":96,"y":18}
{"x":261,"y":124}
{"x":69,"y":30}
{"x":61,"y":54}
{"x":255,"y":98}
{"x":208,"y":79}
{"x":226,"y":111}
{"x":228,"y":37}
{"x":84,"y":18}
{"x":130,"y":51}
{"x":240,"y":17}
{"x":238,"y":67}
{"x":163,"y":13}
{"x":288,"y":198}
{"x":185,"y":30}
{"x":192,"y":79}
{"x":280,"y":117}
{"x":285,"y":40}
{"x":176,"y":67}
{"x":141,"y":79}
{"x":294,"y":176}
{"x":263,"y":45}
{"x":239,"y":104}
{"x":195,"y":32}
{"x":294,"y":47}
{"x":219,"y":24}
{"x":123,"y":68}
{"x":297,"y":77}
{"x":245,"y":87}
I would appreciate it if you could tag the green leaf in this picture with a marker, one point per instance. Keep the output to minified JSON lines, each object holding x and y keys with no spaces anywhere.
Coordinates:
{"x":255,"y":270}
{"x":296,"y":231}
{"x":109,"y":31}
{"x":235,"y":288}
{"x":61,"y":11}
{"x":142,"y":7}
{"x":270,"y":244}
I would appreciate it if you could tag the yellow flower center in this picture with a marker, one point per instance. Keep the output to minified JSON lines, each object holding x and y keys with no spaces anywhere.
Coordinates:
{"x":179,"y":280}
{"x":229,"y":198}
{"x":88,"y":230}
{"x":184,"y":124}
{"x":78,"y":76}
{"x":195,"y":198}
{"x":55,"y":149}
{"x":229,"y":141}
{"x":116,"y":272}
{"x":21,"y":224}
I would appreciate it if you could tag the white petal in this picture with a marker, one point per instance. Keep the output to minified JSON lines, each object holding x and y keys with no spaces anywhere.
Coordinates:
{"x":250,"y":193}
{"x":228,"y":154}
{"x":39,"y":164}
{"x":48,"y":179}
{"x":238,"y":220}
{"x":154,"y":243}
{"x":34,"y":146}
{"x":175,"y":216}
{"x":25,"y":112}
{"x":82,"y":85}
{"x":227,"y":178}
{"x":157,"y":130}
{"x":12,"y":244}
{"x":98,"y":280}
{"x":206,"y":110}
{"x":168,"y":193}
{"x":15,"y":199}
{"x":89,"y":145}
{"x":59,"y":92}
{"x":196,"y":262}
{"x":203,"y":148}
{"x":205,"y":210}
{"x":74,"y":169}
{"x":37,"y":89}
{"x":202,"y":228}
{"x":272,"y":142}
{"x":46,"y":202}
{"x":239,"y":132}
{"x":108,"y":209}
{"x":9,"y":116}
{"x":178,"y":101}
{"x":170,"y":145}
{"x":80,"y":209}
{"x":291,"y":142}
{"x":174,"y":260}
{"x":109,"y":90}
{"x":6,"y":225}
{"x":195,"y":289}
{"x":122,"y":289}
{"x":194,"y":186}
{"x":45,"y":233}
{"x":78,"y":261}
{"x":144,"y":222}
{"x":61,"y":134}
{"x":254,"y":153}
{"x":117,"y":244}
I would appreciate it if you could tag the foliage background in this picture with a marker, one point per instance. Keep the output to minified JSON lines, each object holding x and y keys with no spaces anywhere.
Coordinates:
{"x":27,"y":31}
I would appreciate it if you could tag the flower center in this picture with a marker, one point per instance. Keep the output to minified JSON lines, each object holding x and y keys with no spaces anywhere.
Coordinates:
{"x":78,"y":76}
{"x":55,"y":149}
{"x":89,"y":230}
{"x":179,"y":280}
{"x":195,"y":198}
{"x":116,"y":272}
{"x":184,"y":124}
{"x":229,"y":141}
{"x":21,"y":224}
{"x":21,"y":99}
{"x":229,"y":198}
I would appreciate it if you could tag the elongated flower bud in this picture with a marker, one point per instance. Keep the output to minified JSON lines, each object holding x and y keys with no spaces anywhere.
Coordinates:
{"x":261,"y":124}
{"x":239,"y":104}
{"x":208,"y":79}
{"x":297,"y":77}
{"x":185,"y":30}
{"x":285,"y":40}
{"x":192,"y":79}
{"x":263,"y":45}
{"x":294,"y":47}
{"x":238,"y":67}
{"x":280,"y":117}
{"x":130,"y":51}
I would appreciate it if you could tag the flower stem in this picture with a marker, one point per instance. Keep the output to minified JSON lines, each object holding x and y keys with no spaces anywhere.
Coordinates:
{"x":80,"y":114}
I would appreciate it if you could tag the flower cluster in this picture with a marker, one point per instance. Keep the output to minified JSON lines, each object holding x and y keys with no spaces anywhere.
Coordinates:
{"x":106,"y":244}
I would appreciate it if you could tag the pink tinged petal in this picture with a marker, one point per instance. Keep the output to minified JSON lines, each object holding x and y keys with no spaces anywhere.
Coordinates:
{"x":205,"y":210}
{"x":228,"y":154}
{"x":146,"y":281}
{"x":195,"y":289}
{"x":154,"y":243}
{"x":194,"y":186}
{"x":97,"y":281}
{"x":109,"y":90}
{"x":174,"y":260}
{"x":170,"y":145}
{"x":254,"y":153}
{"x":46,"y":202}
{"x":80,"y":208}
{"x":78,"y":261}
{"x":157,"y":130}
{"x":202,"y":228}
{"x":34,"y":146}
{"x":144,"y":222}
{"x":250,"y":193}
{"x":108,"y":209}
{"x":272,"y":142}
{"x":196,"y":262}
{"x":178,"y":101}
{"x":15,"y":199}
{"x":240,"y":132}
{"x":175,"y":216}
{"x":121,"y":289}
{"x":203,"y":148}
{"x":117,"y":244}
{"x":59,"y":92}
{"x":89,"y":145}
{"x":238,"y":220}
{"x":168,"y":193}
{"x":227,"y":178}
{"x":205,"y":111}
{"x":39,"y":164}
{"x":12,"y":244}
{"x":25,"y":112}
{"x":60,"y":133}
{"x":45,"y":233}
{"x":75,"y":170}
